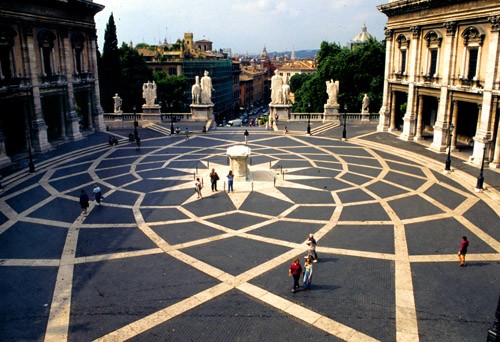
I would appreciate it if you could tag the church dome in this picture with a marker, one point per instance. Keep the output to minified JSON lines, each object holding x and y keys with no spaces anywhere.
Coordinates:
{"x":364,"y":36}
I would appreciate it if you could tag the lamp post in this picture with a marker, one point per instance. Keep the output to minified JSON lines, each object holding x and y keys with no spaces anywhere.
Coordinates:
{"x":447,"y":166}
{"x":31,"y":165}
{"x":136,"y":124}
{"x":308,"y":118}
{"x":344,"y":132}
{"x":171,"y":118}
{"x":480,"y":179}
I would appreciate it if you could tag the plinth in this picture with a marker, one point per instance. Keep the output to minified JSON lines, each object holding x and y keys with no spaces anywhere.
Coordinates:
{"x":202,"y":112}
{"x":238,"y":157}
{"x":281,"y":111}
{"x":151,"y":109}
{"x":331,"y":112}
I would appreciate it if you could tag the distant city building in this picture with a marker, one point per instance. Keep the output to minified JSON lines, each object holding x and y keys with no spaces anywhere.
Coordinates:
{"x":442,"y":69}
{"x":360,"y":38}
{"x":49,"y":89}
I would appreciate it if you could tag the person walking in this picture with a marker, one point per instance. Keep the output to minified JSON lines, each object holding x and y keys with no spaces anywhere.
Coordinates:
{"x":311,"y":242}
{"x":187,"y":133}
{"x":138,"y":142}
{"x":97,"y":193}
{"x":197,"y":187}
{"x":463,"y":251}
{"x":295,"y":271}
{"x":230,"y":178}
{"x":308,"y":273}
{"x":246,"y":136}
{"x":214,"y":177}
{"x":84,"y":201}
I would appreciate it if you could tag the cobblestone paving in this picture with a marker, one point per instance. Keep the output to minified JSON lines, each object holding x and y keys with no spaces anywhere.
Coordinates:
{"x":153,"y":262}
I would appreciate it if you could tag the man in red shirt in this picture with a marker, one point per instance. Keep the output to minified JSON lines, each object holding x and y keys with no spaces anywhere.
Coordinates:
{"x":463,"y":251}
{"x":295,"y":271}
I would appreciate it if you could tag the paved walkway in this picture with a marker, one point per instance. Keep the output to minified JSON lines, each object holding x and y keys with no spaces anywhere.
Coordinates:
{"x":153,"y":262}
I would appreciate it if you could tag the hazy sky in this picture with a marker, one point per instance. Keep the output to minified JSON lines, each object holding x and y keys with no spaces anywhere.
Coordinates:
{"x":243,"y":26}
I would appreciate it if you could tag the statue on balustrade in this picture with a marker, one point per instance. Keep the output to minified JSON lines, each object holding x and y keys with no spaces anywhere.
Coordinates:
{"x":332,"y":89}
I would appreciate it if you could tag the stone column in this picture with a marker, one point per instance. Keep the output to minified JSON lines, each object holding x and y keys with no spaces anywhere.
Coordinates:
{"x":418,"y":133}
{"x":97,"y":112}
{"x":495,"y":163}
{"x":393,"y":112}
{"x":35,"y":114}
{"x":384,"y":112}
{"x":73,"y":127}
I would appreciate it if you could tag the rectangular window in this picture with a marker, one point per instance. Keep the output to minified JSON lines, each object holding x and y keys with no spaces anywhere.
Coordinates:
{"x":433,"y":66}
{"x":471,"y":72}
{"x":5,"y":67}
{"x":403,"y":61}
{"x":78,"y":60}
{"x":47,"y":65}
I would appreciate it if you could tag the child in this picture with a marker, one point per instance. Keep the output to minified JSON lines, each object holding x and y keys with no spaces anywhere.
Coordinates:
{"x":197,"y":188}
{"x":311,"y":242}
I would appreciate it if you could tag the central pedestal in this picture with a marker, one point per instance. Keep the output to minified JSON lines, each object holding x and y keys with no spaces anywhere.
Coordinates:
{"x":202,"y":112}
{"x":151,"y":109}
{"x":280,"y":111}
{"x":238,"y":157}
{"x":331,"y":113}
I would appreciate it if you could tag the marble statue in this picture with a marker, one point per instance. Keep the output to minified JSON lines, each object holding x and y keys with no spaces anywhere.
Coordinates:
{"x":206,"y":89}
{"x":332,"y":89}
{"x":286,"y":91}
{"x":149,"y":93}
{"x":118,"y":104}
{"x":276,"y":88}
{"x":196,"y":91}
{"x":366,"y":104}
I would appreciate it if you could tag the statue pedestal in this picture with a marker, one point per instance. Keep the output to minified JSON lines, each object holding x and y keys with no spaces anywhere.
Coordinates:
{"x":331,"y":113}
{"x":238,"y":157}
{"x":281,"y":110}
{"x":365,"y":116}
{"x":151,"y":109}
{"x":202,"y":112}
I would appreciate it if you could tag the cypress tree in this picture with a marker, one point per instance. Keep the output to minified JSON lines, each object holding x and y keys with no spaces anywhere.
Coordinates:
{"x":110,"y":68}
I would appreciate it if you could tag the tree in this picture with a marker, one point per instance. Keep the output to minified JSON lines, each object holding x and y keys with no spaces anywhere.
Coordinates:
{"x":360,"y":71}
{"x":134,"y":74}
{"x":171,"y":89}
{"x":109,"y":67}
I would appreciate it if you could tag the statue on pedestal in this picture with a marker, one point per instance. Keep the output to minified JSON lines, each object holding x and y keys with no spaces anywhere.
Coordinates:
{"x":332,"y":89}
{"x":118,"y":104}
{"x":276,"y":88}
{"x":206,"y":89}
{"x":149,"y":93}
{"x":286,"y":91}
{"x":365,"y":107}
{"x":196,"y":91}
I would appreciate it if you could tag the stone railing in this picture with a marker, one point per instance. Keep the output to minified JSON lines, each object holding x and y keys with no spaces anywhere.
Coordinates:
{"x":126,"y":120}
{"x":339,"y":116}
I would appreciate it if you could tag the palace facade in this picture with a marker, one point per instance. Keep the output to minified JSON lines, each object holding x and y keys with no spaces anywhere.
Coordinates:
{"x":49,"y":89}
{"x":442,"y":74}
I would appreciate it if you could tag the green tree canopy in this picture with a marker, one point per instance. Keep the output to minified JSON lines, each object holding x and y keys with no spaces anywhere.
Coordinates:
{"x":170,"y":90}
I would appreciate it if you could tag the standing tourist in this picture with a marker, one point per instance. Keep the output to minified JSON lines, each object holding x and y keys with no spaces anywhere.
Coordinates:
{"x":463,"y":251}
{"x":197,"y":187}
{"x":214,"y":177}
{"x":230,"y":178}
{"x":308,"y":273}
{"x":97,"y":193}
{"x":84,"y":201}
{"x":295,"y":271}
{"x":246,"y":136}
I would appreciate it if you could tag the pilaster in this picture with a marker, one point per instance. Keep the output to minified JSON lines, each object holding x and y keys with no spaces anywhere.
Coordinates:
{"x":384,"y":112}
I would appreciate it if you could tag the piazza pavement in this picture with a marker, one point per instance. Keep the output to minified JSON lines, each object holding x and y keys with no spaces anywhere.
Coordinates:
{"x":154,"y":263}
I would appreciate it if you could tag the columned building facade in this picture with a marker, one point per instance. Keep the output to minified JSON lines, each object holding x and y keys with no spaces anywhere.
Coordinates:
{"x":442,"y":74}
{"x":49,"y":89}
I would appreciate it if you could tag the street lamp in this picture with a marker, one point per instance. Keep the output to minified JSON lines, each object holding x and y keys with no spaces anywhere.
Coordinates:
{"x":136,"y":124}
{"x":448,"y":159}
{"x":344,"y":132}
{"x":309,"y":118}
{"x":31,"y":165}
{"x":171,"y":118}
{"x":480,"y":179}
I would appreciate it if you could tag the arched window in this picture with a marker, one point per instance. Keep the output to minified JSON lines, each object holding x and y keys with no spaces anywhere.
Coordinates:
{"x":46,"y":43}
{"x":7,"y":67}
{"x":433,"y":39}
{"x":473,"y":39}
{"x":403,"y":45}
{"x":77,"y":43}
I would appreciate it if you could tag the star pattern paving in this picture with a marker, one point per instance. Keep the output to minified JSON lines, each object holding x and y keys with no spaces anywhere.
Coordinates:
{"x":153,"y":255}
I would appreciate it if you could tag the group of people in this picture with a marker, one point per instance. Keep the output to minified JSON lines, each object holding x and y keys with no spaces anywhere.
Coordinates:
{"x":214,"y":177}
{"x":84,"y":198}
{"x":296,"y":270}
